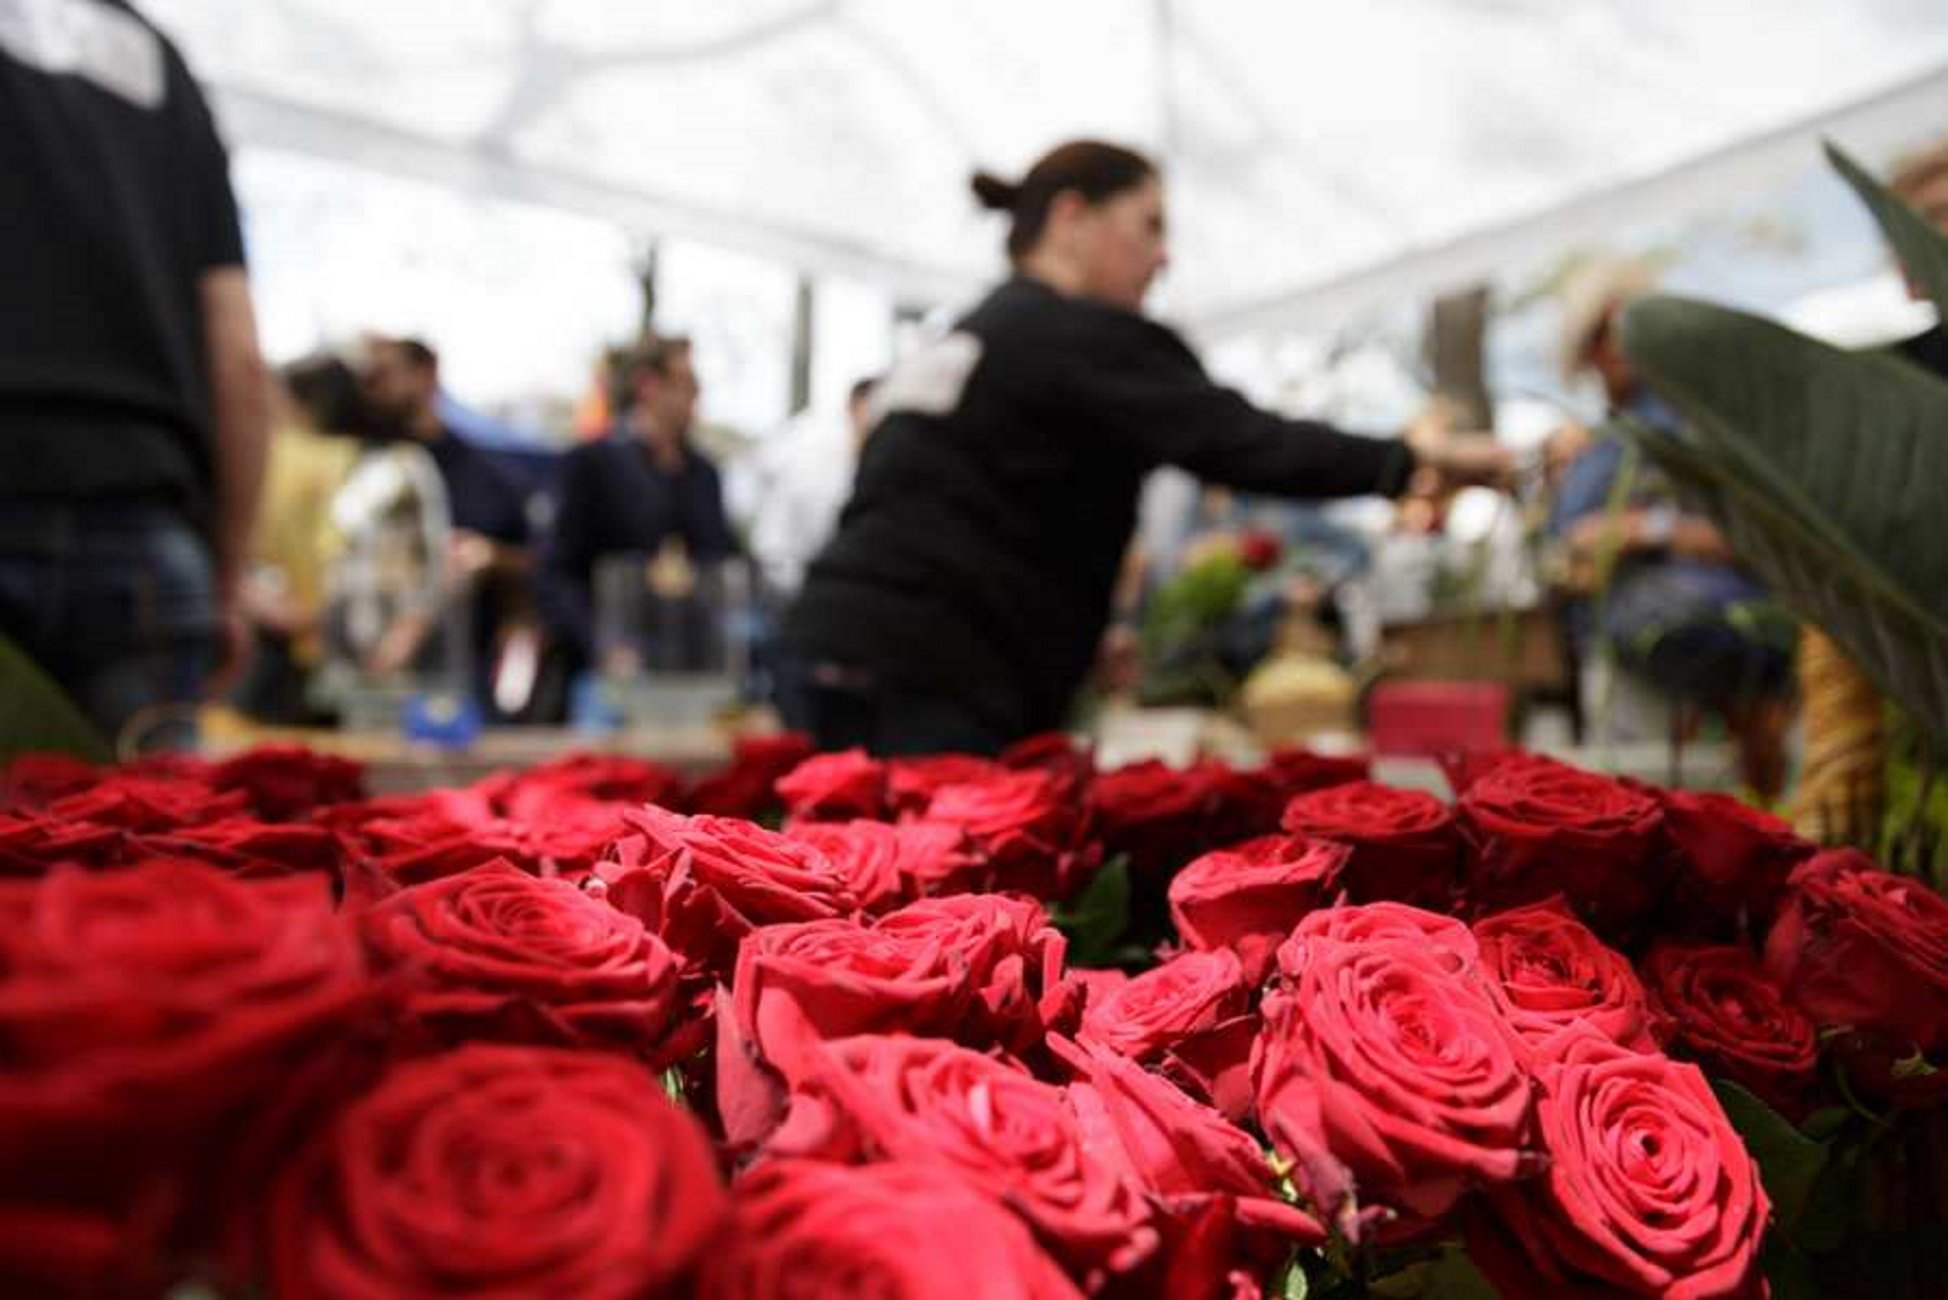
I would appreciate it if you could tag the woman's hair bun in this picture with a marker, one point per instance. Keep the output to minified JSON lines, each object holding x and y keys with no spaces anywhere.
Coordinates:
{"x":995,"y":193}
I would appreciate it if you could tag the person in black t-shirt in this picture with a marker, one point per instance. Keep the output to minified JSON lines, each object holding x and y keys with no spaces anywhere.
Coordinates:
{"x":133,"y":398}
{"x":966,"y":591}
{"x":644,"y":490}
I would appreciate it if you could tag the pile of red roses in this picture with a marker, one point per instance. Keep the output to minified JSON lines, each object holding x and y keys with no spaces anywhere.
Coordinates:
{"x":588,"y":1030}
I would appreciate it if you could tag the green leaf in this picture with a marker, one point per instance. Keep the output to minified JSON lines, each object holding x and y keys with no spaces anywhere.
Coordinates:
{"x":1451,"y":1275}
{"x":673,"y":1085}
{"x":1789,"y":1161}
{"x":1922,"y":250}
{"x":37,"y":715}
{"x":1097,"y":917}
{"x":1824,"y":1124}
{"x":1294,"y":1285}
{"x":1823,"y":467}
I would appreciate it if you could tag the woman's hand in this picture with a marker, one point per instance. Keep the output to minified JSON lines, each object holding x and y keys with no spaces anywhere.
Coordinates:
{"x":1459,"y":459}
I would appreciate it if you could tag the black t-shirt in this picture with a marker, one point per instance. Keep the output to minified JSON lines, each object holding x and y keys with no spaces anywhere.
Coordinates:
{"x":995,"y":499}
{"x":614,"y":499}
{"x":116,"y":200}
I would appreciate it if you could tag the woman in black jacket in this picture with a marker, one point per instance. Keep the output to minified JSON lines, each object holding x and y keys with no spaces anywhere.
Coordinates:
{"x":962,"y":599}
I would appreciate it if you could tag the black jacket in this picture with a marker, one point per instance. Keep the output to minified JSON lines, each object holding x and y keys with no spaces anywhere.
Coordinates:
{"x":997,"y":494}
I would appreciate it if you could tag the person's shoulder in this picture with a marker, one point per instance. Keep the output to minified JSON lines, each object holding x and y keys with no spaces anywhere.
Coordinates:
{"x":1026,"y":307}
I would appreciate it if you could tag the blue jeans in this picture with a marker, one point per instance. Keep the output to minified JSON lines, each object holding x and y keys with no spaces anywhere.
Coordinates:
{"x":116,"y":601}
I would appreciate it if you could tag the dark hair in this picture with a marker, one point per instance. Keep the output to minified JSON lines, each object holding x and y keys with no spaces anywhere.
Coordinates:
{"x":651,"y":355}
{"x":325,"y":388}
{"x":862,"y":388}
{"x":1091,"y":168}
{"x":417,"y":352}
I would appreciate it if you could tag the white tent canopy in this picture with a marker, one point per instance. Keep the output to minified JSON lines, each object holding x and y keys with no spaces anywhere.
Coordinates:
{"x":1319,"y":157}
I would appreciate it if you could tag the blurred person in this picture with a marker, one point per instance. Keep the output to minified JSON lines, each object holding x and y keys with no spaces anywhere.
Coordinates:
{"x":1920,"y":179}
{"x":488,"y":553}
{"x":970,"y":582}
{"x":1678,"y":612}
{"x":644,"y":490}
{"x":133,"y":396}
{"x":316,"y":410}
{"x":797,"y":483}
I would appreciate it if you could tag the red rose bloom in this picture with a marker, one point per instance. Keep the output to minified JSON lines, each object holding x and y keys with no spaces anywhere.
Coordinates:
{"x":31,"y":844}
{"x":1728,"y":1012}
{"x":1540,"y":828}
{"x":1404,"y":844}
{"x":913,"y":782}
{"x":930,"y":1102}
{"x":1732,"y":858}
{"x":1029,"y":827}
{"x":836,"y":787}
{"x":1152,"y":1013}
{"x":1865,"y":949}
{"x":148,"y":1016}
{"x":1552,"y":974}
{"x":499,"y":1171}
{"x":612,"y":778}
{"x":1248,"y":897}
{"x":288,"y":782}
{"x":1648,"y":1190}
{"x":1156,"y":814}
{"x":806,"y":1227}
{"x":1294,"y":771}
{"x":886,"y":864}
{"x":1388,"y":1073}
{"x":140,"y":803}
{"x":1446,"y":940}
{"x":704,"y":882}
{"x":981,"y":969}
{"x":32,"y":781}
{"x":495,"y":953}
{"x":1051,"y":751}
{"x":746,"y":787}
{"x":247,"y":847}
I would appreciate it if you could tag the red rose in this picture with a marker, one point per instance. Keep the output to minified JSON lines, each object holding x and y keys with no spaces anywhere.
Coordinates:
{"x":1648,"y":1191}
{"x":746,"y":787}
{"x":1150,"y":1014}
{"x":981,"y":969}
{"x":1181,"y":1152}
{"x":704,"y":882}
{"x":287,"y":782}
{"x":1294,"y":771}
{"x":1248,"y":897}
{"x":1733,"y":858}
{"x":139,"y":803}
{"x":31,"y":843}
{"x":417,"y":838}
{"x":1156,"y":814}
{"x":913,"y":782}
{"x":148,"y":1015}
{"x":1404,"y":844}
{"x":1540,"y":828}
{"x":496,"y":953}
{"x":1728,"y":1012}
{"x":885,"y":864}
{"x":1244,"y":804}
{"x":1864,"y":949}
{"x":1389,"y":1074}
{"x":613,"y":778}
{"x":925,"y":1101}
{"x":33,"y":781}
{"x":1552,"y":974}
{"x":247,"y":847}
{"x":1029,"y":827}
{"x":1051,"y":751}
{"x":1444,"y":939}
{"x":806,"y":1227}
{"x":836,"y":787}
{"x":499,"y":1171}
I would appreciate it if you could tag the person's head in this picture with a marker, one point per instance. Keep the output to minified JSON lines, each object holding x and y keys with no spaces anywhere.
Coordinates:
{"x":656,"y":385}
{"x":325,"y":394}
{"x":1920,"y":180}
{"x":859,"y":408}
{"x":1593,"y":305}
{"x":1087,"y":218}
{"x":400,"y":381}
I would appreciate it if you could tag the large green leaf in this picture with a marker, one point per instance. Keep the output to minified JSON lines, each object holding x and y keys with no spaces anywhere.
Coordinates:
{"x":1828,"y":471}
{"x":1922,"y":250}
{"x":36,"y":714}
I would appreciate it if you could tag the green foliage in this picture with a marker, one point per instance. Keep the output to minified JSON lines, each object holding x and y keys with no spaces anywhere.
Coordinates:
{"x":37,"y":715}
{"x":1096,"y":920}
{"x":1823,"y":467}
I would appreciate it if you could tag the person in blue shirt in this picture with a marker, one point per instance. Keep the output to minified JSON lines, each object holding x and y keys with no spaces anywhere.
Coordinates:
{"x":1680,"y":612}
{"x":643,"y":490}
